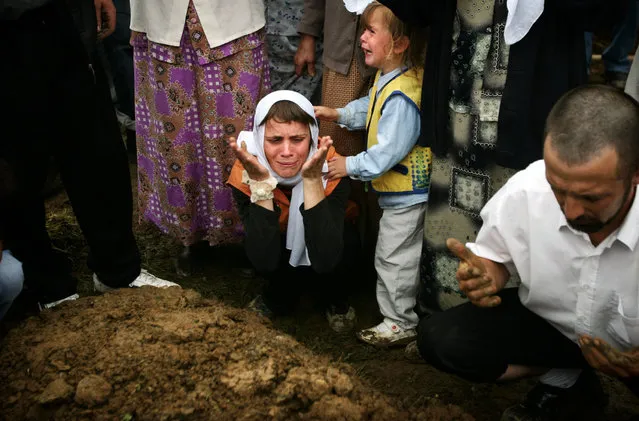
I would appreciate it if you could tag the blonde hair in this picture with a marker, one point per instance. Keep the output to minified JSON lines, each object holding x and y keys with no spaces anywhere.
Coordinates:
{"x":413,"y":56}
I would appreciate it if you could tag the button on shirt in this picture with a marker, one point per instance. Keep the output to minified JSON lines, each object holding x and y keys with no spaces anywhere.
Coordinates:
{"x":565,"y":279}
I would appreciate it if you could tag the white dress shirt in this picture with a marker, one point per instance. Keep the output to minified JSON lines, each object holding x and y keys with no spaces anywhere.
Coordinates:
{"x":577,"y":287}
{"x":223,"y":20}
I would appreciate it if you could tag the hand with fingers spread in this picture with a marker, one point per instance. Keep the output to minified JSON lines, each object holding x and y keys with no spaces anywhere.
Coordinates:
{"x":480,"y":279}
{"x":305,"y":55}
{"x":337,"y":168}
{"x":603,"y":357}
{"x":312,"y":168}
{"x":255,"y":170}
{"x":326,"y":113}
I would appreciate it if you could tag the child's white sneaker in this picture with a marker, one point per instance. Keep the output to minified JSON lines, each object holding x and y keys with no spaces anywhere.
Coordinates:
{"x":386,"y":334}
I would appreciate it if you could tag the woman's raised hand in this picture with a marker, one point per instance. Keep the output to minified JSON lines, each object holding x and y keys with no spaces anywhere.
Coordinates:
{"x":255,"y":170}
{"x":312,"y":168}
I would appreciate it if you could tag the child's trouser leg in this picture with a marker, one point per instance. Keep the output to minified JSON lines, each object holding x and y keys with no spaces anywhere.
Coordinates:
{"x":397,"y":257}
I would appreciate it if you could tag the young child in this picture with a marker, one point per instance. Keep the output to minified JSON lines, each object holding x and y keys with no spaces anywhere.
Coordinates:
{"x":397,"y":167}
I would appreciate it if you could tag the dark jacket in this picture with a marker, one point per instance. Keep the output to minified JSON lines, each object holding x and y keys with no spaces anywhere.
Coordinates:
{"x":546,"y":63}
{"x":265,"y":243}
{"x":86,"y":24}
{"x":79,"y":14}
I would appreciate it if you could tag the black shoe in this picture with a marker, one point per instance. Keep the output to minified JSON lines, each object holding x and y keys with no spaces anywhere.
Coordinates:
{"x":617,"y":79}
{"x":258,"y":306}
{"x":583,"y":401}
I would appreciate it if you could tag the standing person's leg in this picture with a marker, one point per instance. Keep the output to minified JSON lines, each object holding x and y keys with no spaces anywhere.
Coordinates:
{"x":281,"y":54}
{"x":120,"y":55}
{"x":11,"y":279}
{"x":29,"y":138}
{"x":615,"y":56}
{"x":588,"y":40}
{"x":397,"y":259}
{"x":93,"y":164}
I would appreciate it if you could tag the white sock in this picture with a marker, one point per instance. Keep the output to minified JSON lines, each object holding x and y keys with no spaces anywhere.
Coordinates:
{"x":561,"y":377}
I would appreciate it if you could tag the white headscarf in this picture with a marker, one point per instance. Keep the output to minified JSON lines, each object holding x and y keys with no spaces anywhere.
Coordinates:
{"x":522,"y":15}
{"x":356,"y":6}
{"x":295,"y":240}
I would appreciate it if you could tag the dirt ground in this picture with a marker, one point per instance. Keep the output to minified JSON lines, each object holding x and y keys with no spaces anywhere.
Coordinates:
{"x":173,"y":354}
{"x":151,"y":354}
{"x":192,"y":353}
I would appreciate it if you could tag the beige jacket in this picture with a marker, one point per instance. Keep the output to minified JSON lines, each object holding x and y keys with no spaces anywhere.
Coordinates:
{"x":341,"y":33}
{"x":222,"y":20}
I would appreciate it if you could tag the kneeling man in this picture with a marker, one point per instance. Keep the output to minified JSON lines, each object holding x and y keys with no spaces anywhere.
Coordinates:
{"x":569,"y":226}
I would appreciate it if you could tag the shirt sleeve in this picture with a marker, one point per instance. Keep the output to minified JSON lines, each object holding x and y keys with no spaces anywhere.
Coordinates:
{"x":503,"y":233}
{"x":324,"y":229}
{"x":397,"y":133}
{"x":353,"y":115}
{"x":262,"y":241}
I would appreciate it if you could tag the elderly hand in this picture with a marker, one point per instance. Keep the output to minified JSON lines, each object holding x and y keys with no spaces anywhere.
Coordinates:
{"x":480,"y":279}
{"x":305,"y":55}
{"x":255,"y":170}
{"x":105,"y":14}
{"x":603,"y":357}
{"x":312,"y":168}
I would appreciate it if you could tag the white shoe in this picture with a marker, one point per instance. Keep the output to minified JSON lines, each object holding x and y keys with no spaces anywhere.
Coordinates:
{"x":341,"y":323}
{"x":144,"y":279}
{"x":55,"y":303}
{"x":386,"y":334}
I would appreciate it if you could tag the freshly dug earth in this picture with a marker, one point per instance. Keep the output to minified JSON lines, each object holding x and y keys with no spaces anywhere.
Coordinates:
{"x":153,"y":354}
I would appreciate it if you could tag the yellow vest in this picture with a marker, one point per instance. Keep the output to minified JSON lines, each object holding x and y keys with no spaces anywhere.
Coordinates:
{"x":412,"y":174}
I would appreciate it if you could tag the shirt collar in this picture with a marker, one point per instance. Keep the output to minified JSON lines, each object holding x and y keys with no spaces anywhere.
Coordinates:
{"x":628,"y":232}
{"x":385,"y":78}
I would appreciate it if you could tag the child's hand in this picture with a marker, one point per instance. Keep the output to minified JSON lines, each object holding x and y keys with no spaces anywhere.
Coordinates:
{"x":326,"y":113}
{"x":336,"y":168}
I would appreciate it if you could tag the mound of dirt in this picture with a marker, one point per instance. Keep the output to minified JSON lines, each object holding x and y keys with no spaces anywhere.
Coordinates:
{"x":151,"y":354}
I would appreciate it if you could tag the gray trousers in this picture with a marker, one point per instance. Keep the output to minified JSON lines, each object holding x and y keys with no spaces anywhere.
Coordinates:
{"x":397,"y":257}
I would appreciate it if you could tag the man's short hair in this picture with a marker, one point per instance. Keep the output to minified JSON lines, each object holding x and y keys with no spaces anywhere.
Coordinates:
{"x":590,"y":118}
{"x":286,"y":111}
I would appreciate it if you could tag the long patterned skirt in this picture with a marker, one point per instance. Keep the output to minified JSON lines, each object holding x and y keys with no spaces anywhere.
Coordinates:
{"x":189,"y":100}
{"x":458,"y":192}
